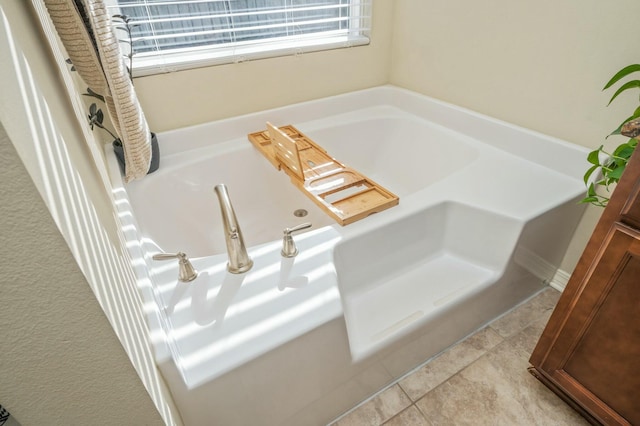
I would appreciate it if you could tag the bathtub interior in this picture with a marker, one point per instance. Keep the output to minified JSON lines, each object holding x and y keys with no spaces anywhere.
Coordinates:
{"x":384,"y":148}
{"x":264,"y":200}
{"x":397,"y":277}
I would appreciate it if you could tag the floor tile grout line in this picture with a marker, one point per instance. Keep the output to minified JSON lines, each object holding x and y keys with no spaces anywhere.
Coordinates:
{"x":524,"y":302}
{"x":363,"y":402}
{"x":423,"y":414}
{"x":448,"y":348}
{"x":487,"y":324}
{"x":485,"y":351}
{"x":505,"y":341}
{"x":397,"y":381}
{"x":402,"y":411}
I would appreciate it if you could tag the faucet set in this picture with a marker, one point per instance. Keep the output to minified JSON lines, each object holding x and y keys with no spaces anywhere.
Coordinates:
{"x":239,"y":260}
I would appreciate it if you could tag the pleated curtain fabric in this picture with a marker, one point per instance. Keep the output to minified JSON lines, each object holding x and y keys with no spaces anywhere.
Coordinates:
{"x":85,"y":30}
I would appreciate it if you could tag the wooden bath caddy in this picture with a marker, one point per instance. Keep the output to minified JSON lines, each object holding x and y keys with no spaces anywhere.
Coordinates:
{"x":340,"y":191}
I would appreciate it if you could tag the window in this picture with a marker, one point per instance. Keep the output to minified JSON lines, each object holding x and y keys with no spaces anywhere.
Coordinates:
{"x":169,"y":35}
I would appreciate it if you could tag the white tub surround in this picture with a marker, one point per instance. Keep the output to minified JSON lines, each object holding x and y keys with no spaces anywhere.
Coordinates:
{"x":486,"y":212}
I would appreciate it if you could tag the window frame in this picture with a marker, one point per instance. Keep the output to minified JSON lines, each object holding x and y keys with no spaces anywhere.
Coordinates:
{"x":150,"y":63}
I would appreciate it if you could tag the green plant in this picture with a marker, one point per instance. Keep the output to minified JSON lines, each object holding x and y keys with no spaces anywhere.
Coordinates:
{"x":607,"y":168}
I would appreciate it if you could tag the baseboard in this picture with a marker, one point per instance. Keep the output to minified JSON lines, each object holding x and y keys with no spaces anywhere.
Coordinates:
{"x":560,"y":280}
{"x":542,"y":268}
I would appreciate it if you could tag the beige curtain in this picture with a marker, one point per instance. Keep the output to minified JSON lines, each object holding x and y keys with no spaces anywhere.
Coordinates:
{"x":85,"y":30}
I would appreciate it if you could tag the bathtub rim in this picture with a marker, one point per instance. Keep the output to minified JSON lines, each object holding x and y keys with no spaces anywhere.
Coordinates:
{"x":415,"y":103}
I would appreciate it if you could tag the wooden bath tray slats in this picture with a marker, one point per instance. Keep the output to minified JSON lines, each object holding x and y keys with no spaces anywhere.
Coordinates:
{"x":286,"y":151}
{"x":342,"y":192}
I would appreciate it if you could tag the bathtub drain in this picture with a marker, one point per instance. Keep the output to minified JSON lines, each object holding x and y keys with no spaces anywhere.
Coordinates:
{"x":300,"y":213}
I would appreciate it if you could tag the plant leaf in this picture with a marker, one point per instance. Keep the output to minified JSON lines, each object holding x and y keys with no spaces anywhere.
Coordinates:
{"x":628,"y":85}
{"x":593,"y":156}
{"x":624,"y":151}
{"x":621,"y":74}
{"x":589,"y":172}
{"x":591,"y":200}
{"x":616,"y":174}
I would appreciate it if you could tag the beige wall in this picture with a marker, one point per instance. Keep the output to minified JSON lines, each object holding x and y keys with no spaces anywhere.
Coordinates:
{"x":538,"y":64}
{"x":62,"y":268}
{"x":200,"y":95}
{"x":61,"y":362}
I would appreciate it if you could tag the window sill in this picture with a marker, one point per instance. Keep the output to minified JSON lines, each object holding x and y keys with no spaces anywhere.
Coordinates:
{"x":156,"y":64}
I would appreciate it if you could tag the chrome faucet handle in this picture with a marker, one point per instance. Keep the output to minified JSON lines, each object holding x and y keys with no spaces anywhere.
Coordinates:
{"x":187,"y":272}
{"x":289,"y":248}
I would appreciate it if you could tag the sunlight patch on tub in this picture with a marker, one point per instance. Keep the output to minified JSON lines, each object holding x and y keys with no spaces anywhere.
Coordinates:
{"x":265,"y":249}
{"x":263,"y":272}
{"x":311,"y":252}
{"x":245,"y":306}
{"x":262,"y":328}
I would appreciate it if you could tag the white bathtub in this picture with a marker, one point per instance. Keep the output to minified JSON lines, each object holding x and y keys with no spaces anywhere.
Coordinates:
{"x":486,"y":212}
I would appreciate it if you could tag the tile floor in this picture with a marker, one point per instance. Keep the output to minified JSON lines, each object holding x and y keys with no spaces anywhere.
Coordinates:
{"x":482,"y":380}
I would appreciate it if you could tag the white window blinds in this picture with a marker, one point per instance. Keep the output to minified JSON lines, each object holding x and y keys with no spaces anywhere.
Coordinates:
{"x":168,"y":35}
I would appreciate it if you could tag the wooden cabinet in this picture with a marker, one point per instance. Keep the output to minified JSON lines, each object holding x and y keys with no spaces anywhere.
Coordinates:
{"x":589,"y":352}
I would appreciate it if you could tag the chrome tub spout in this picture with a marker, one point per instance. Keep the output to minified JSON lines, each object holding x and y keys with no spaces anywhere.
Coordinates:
{"x":239,"y":260}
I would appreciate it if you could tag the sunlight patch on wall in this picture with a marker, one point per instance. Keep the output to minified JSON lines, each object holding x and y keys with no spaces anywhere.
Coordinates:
{"x":61,"y":186}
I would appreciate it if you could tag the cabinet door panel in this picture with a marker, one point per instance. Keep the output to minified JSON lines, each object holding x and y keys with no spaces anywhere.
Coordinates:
{"x":631,"y":210}
{"x":597,"y":354}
